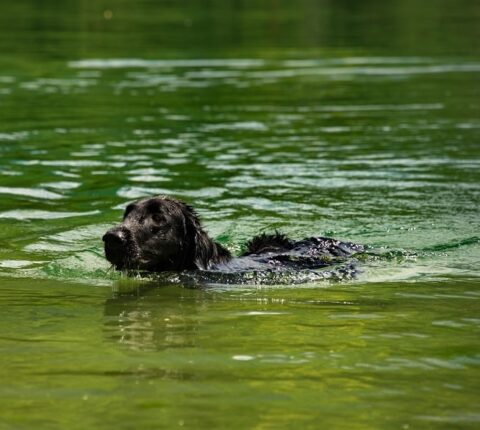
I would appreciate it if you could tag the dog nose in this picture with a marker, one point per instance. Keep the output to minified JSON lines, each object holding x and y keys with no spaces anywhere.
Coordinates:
{"x":115,"y":238}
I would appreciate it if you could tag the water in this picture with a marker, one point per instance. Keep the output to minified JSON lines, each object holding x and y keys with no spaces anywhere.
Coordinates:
{"x":354,"y":121}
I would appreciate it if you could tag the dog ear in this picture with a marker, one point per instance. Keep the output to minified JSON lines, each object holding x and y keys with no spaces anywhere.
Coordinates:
{"x":203,"y":251}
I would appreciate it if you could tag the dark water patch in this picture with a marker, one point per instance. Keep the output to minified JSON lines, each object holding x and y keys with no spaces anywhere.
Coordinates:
{"x":447,"y":246}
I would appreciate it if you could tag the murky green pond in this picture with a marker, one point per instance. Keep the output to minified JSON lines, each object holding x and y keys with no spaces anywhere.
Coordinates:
{"x":358,"y":120}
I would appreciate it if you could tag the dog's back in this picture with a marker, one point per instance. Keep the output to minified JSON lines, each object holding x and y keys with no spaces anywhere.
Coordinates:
{"x":277,"y":252}
{"x":275,"y":259}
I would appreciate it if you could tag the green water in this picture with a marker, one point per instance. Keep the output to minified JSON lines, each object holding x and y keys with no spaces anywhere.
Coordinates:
{"x":358,"y":120}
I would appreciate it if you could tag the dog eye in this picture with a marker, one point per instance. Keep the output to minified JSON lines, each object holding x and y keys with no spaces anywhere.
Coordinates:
{"x":158,"y":218}
{"x":155,"y":230}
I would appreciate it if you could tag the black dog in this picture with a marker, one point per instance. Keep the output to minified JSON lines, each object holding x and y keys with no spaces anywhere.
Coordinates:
{"x":164,"y":234}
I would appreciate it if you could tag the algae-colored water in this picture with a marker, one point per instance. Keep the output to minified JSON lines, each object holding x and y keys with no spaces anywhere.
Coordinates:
{"x":358,"y":120}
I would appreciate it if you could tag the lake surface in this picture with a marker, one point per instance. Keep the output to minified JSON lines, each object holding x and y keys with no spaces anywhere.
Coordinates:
{"x":357,"y":120}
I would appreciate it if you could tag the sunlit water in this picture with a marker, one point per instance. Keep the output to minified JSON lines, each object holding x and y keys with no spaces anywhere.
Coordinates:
{"x":376,"y":144}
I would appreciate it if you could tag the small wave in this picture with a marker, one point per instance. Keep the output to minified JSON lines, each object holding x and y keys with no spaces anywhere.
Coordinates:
{"x":14,"y":264}
{"x":246,"y":125}
{"x":61,"y":185}
{"x":126,"y":63}
{"x":474,"y":240}
{"x":71,"y":163}
{"x":54,"y":85}
{"x":85,"y":266}
{"x":77,"y":239}
{"x":262,"y":277}
{"x":25,"y":214}
{"x":374,"y":108}
{"x":349,"y":61}
{"x":14,"y":136}
{"x":243,"y":357}
{"x":261,"y":313}
{"x":7,"y":79}
{"x":130,"y":192}
{"x":31,"y":192}
{"x":148,"y":178}
{"x":335,"y":72}
{"x":467,"y":417}
{"x":274,"y":358}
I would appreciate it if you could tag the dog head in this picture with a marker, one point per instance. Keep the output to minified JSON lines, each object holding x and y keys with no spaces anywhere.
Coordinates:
{"x":161,"y":234}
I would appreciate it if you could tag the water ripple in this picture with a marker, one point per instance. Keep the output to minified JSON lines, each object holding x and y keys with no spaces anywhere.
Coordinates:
{"x":14,"y":136}
{"x":31,"y":192}
{"x":247,"y":125}
{"x":128,"y":63}
{"x":244,"y":73}
{"x":25,"y":214}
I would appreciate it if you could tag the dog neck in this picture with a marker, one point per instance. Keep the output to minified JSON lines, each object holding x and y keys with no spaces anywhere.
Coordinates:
{"x":209,"y":253}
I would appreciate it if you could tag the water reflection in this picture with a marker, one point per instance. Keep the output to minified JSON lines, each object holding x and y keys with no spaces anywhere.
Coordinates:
{"x":140,"y":323}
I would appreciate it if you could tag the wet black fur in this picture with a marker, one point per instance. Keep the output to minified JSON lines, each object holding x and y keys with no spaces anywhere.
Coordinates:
{"x":268,"y":243}
{"x":164,"y":234}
